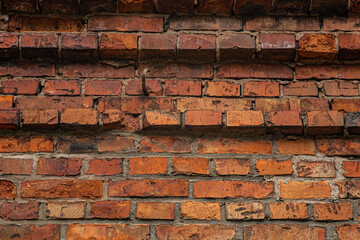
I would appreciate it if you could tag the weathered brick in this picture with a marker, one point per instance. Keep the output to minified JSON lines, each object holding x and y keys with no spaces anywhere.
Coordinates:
{"x":233,"y":189}
{"x":182,"y":6}
{"x":9,"y":45}
{"x":316,"y":169}
{"x":111,"y":209}
{"x":191,"y":166}
{"x":48,"y":231}
{"x":207,"y":231}
{"x":288,"y":122}
{"x":348,"y":189}
{"x":79,"y":47}
{"x":88,"y":117}
{"x":314,"y":104}
{"x":215,"y":7}
{"x":271,"y":105}
{"x":228,"y":145}
{"x":62,"y":87}
{"x":325,"y":122}
{"x":354,"y":6}
{"x":349,"y":46}
{"x":301,"y":89}
{"x":58,"y":166}
{"x":305,"y":190}
{"x":222,"y":89}
{"x":125,"y":23}
{"x":96,"y":70}
{"x":58,"y":103}
{"x":156,"y":46}
{"x":155,"y":210}
{"x":116,"y":144}
{"x":317,"y":46}
{"x":215,"y":104}
{"x":105,"y":167}
{"x":350,"y":23}
{"x":166,"y":144}
{"x":182,"y":88}
{"x":44,"y":118}
{"x":15,"y":166}
{"x":61,"y":188}
{"x":351,"y":168}
{"x":237,"y":46}
{"x":7,"y":190}
{"x":161,"y":119}
{"x":26,"y":144}
{"x":288,"y":210}
{"x":140,"y":6}
{"x":137,"y":105}
{"x":348,"y":231}
{"x":9,"y":118}
{"x":177,"y":70}
{"x":327,"y":72}
{"x":254,"y":70}
{"x":202,"y":118}
{"x":39,"y":45}
{"x":283,"y":24}
{"x":6,"y":102}
{"x":103,"y":87}
{"x":245,"y":121}
{"x":252,"y":6}
{"x":202,"y":23}
{"x":296,"y":147}
{"x":19,"y":211}
{"x":66,"y":210}
{"x":148,"y":188}
{"x":134,"y":87}
{"x":245,"y":211}
{"x":90,"y":6}
{"x":116,"y":119}
{"x":346,"y":105}
{"x":274,"y":167}
{"x":200,"y":210}
{"x":27,"y":69}
{"x":197,"y":47}
{"x":261,"y":89}
{"x":337,"y":88}
{"x":333,"y":211}
{"x":147,"y":165}
{"x":20,"y":87}
{"x":232,"y":166}
{"x":25,"y":6}
{"x":67,"y":7}
{"x":331,"y":7}
{"x":118,"y":46}
{"x":340,"y":147}
{"x":277,"y":46}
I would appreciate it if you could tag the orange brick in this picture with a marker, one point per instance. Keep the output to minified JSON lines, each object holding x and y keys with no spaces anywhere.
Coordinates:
{"x":325,"y":122}
{"x":296,"y":147}
{"x":118,"y":46}
{"x":58,"y":166}
{"x":301,"y":89}
{"x":105,"y":167}
{"x":348,"y":189}
{"x":30,"y":231}
{"x":155,"y":210}
{"x":271,"y":105}
{"x":7,"y":190}
{"x":288,"y":122}
{"x":304,"y":190}
{"x":15,"y":166}
{"x":274,"y":167}
{"x":88,"y":117}
{"x":222,"y":89}
{"x":348,"y":231}
{"x":248,"y":121}
{"x":288,"y":210}
{"x":42,"y":118}
{"x":333,"y":211}
{"x":351,"y":168}
{"x":6,"y":102}
{"x":191,"y":166}
{"x":197,"y":118}
{"x":182,"y":88}
{"x":245,"y":211}
{"x":340,"y":147}
{"x":166,"y":144}
{"x":125,"y":23}
{"x":317,"y":46}
{"x":337,"y":88}
{"x":65,"y":210}
{"x":215,"y":104}
{"x":200,"y":210}
{"x":26,"y":144}
{"x":103,"y":88}
{"x":316,"y":169}
{"x":147,"y":165}
{"x":116,"y":144}
{"x":261,"y":89}
{"x":161,"y":119}
{"x":232,"y":166}
{"x":111,"y":209}
{"x":134,"y":87}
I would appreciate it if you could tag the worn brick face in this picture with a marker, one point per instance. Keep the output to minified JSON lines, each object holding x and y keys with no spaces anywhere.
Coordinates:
{"x":245,"y":211}
{"x":200,"y":210}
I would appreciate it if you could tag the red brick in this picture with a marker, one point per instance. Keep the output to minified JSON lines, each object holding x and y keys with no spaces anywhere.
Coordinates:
{"x":137,"y":105}
{"x":61,"y":188}
{"x":111,"y":231}
{"x":333,"y":211}
{"x":232,"y":166}
{"x":9,"y":118}
{"x":161,"y":119}
{"x":177,"y":70}
{"x":6,"y":102}
{"x":62,"y":87}
{"x":197,"y":47}
{"x":351,"y":168}
{"x":222,"y":89}
{"x":203,"y":23}
{"x":116,"y":119}
{"x":348,"y":189}
{"x":245,"y":211}
{"x":181,"y":6}
{"x":42,"y":118}
{"x":118,"y":46}
{"x":325,"y":122}
{"x":191,"y":166}
{"x":296,"y":147}
{"x":316,"y":169}
{"x":305,"y":190}
{"x":349,"y":23}
{"x":65,"y":210}
{"x":79,"y":47}
{"x":233,"y":189}
{"x":215,"y":7}
{"x":336,"y":88}
{"x":97,"y":70}
{"x":25,"y":144}
{"x":182,"y":88}
{"x":274,"y":167}
{"x":349,"y":46}
{"x":277,"y":46}
{"x":354,"y":6}
{"x":254,"y":70}
{"x":19,"y":211}
{"x":155,"y":210}
{"x":77,"y":144}
{"x":103,"y":87}
{"x":35,"y":103}
{"x":229,"y":145}
{"x":21,"y":87}
{"x":141,"y":6}
{"x":353,"y":123}
{"x":283,"y":24}
{"x":39,"y":45}
{"x":199,"y":118}
{"x":27,"y":70}
{"x":327,"y":72}
{"x":25,"y":6}
{"x":288,"y":210}
{"x":90,"y":6}
{"x":237,"y":46}
{"x":261,"y":89}
{"x":88,"y":117}
{"x":317,"y":46}
{"x":105,"y":167}
{"x":148,"y":188}
{"x":334,"y":7}
{"x":340,"y":147}
{"x":288,"y":122}
{"x":116,"y":144}
{"x":272,"y":232}
{"x":314,"y":104}
{"x":215,"y":104}
{"x":48,"y":231}
{"x":7,"y":190}
{"x":154,"y":46}
{"x":346,"y":105}
{"x":247,"y":121}
{"x":166,"y":144}
{"x":134,"y":87}
{"x":58,"y":167}
{"x":111,"y":209}
{"x":301,"y":89}
{"x":68,"y":7}
{"x":15,"y":166}
{"x":207,"y":231}
{"x":200,"y":210}
{"x":252,"y":6}
{"x":147,"y":165}
{"x":348,"y":231}
{"x":125,"y":24}
{"x":9,"y":45}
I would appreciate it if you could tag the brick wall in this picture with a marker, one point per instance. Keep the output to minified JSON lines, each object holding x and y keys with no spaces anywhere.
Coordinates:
{"x":250,"y":130}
